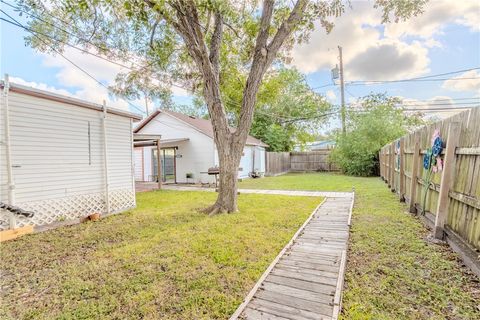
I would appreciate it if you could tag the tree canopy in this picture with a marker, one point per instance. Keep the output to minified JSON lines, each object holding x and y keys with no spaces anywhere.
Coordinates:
{"x":288,"y":112}
{"x":200,"y":43}
{"x":377,"y":121}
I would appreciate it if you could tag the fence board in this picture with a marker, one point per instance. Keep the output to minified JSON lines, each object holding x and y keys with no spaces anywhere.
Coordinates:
{"x":463,"y":216}
{"x":282,"y":162}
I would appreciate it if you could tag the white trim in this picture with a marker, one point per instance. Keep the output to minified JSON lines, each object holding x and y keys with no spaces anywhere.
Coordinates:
{"x":42,"y":94}
{"x":132,"y":159}
{"x":8,"y":154}
{"x":196,"y":129}
{"x":188,"y":124}
{"x":105,"y":155}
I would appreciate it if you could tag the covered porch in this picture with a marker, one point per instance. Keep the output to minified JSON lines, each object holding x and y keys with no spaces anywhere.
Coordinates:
{"x":155,"y":161}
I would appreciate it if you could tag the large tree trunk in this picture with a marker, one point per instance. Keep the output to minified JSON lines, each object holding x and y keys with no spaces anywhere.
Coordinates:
{"x":229,"y":161}
{"x":229,"y":144}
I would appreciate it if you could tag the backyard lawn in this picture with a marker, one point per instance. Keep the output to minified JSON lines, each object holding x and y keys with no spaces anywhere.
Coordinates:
{"x":393,"y":271}
{"x":166,"y":260}
{"x":162,"y":260}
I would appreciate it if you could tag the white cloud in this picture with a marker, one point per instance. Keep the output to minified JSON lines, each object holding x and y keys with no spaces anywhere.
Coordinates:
{"x":350,"y":32}
{"x":436,"y":16}
{"x":180,"y":92}
{"x":82,"y":85}
{"x":40,"y":86}
{"x":331,"y":96}
{"x":366,"y":53}
{"x":389,"y":59}
{"x":87,"y":88}
{"x":429,"y":107}
{"x":464,"y":84}
{"x":371,"y":50}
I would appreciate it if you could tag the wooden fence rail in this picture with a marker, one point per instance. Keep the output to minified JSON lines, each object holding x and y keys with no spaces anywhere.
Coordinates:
{"x":277,"y":163}
{"x":283,"y":162}
{"x":449,"y":200}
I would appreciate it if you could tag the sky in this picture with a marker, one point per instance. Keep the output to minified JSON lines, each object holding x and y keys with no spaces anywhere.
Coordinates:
{"x":446,"y":38}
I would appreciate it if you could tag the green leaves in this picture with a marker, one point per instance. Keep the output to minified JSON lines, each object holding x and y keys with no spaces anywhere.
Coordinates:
{"x":287,"y":110}
{"x":379,"y":122}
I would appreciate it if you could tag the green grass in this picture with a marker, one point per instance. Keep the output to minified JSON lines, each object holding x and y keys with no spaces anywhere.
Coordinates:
{"x":302,"y":181}
{"x":162,"y":260}
{"x":393,"y":272}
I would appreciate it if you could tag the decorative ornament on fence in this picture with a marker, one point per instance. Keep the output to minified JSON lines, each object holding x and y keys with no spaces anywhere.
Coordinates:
{"x":432,"y":163}
{"x":397,"y":154}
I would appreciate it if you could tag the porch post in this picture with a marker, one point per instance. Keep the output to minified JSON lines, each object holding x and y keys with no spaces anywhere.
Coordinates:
{"x":159,"y":165}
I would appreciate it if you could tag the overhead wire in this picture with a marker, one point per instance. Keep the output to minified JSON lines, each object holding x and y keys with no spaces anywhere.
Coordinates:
{"x":236,"y":103}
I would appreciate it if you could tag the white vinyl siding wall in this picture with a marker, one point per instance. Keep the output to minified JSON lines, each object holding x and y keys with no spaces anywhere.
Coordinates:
{"x":138,"y":156}
{"x":259,"y":159}
{"x":54,"y":156}
{"x":195,"y":155}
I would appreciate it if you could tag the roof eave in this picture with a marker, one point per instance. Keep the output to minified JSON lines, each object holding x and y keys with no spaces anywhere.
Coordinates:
{"x":17,"y":88}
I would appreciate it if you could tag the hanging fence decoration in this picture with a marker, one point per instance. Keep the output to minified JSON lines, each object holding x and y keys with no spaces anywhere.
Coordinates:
{"x":432,"y":163}
{"x":397,"y":155}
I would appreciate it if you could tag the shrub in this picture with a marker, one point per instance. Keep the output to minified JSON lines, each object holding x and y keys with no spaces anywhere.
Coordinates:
{"x":375,"y":123}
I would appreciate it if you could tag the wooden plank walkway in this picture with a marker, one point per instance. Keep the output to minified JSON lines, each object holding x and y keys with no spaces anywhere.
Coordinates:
{"x":305,"y":280}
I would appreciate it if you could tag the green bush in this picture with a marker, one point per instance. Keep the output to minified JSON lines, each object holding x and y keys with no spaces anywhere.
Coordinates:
{"x":375,"y":123}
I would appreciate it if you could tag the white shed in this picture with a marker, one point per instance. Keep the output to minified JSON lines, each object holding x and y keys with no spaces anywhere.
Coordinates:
{"x":188,"y":147}
{"x":63,"y":158}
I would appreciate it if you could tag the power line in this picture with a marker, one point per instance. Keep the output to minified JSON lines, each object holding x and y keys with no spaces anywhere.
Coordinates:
{"x":375,"y":82}
{"x":417,"y":79}
{"x":73,"y":63}
{"x":228,"y":100}
{"x":442,"y":99}
{"x":122,"y":65}
{"x":439,"y":104}
{"x":16,"y":23}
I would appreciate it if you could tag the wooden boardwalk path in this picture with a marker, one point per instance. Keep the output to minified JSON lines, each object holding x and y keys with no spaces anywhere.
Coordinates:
{"x":305,"y":280}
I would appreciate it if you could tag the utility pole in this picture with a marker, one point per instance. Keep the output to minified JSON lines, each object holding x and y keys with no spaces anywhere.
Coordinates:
{"x":146,"y":104}
{"x":342,"y":91}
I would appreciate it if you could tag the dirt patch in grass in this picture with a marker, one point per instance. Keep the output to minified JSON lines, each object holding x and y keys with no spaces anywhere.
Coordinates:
{"x":161,"y":260}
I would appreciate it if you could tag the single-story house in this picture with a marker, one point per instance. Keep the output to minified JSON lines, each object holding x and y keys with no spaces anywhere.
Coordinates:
{"x":188,"y":150}
{"x":62,"y":158}
{"x":317,"y":145}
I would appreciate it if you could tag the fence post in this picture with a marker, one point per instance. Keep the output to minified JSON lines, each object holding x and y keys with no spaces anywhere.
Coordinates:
{"x":392,"y":167}
{"x":387,"y":165}
{"x":265,"y":158}
{"x":382,"y":163}
{"x":447,"y":179}
{"x":402,"y":170}
{"x":413,"y":182}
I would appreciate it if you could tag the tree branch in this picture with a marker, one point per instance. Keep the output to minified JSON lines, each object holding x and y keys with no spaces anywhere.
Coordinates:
{"x":286,"y":28}
{"x":215,"y":44}
{"x":154,"y":28}
{"x":262,"y":59}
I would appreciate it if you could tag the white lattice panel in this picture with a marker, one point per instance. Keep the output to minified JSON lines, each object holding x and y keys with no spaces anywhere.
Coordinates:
{"x":69,"y":208}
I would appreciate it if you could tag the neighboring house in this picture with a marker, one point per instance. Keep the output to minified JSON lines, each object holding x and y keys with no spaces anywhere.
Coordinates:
{"x":188,"y":147}
{"x":55,"y":148}
{"x":317,"y":145}
{"x":322,"y":145}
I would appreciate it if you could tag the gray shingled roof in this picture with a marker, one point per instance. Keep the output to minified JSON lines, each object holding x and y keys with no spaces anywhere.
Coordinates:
{"x":202,"y":125}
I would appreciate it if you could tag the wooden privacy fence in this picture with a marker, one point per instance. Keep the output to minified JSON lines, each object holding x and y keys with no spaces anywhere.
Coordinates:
{"x":277,"y":163}
{"x":282,"y":162}
{"x":450,"y":198}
